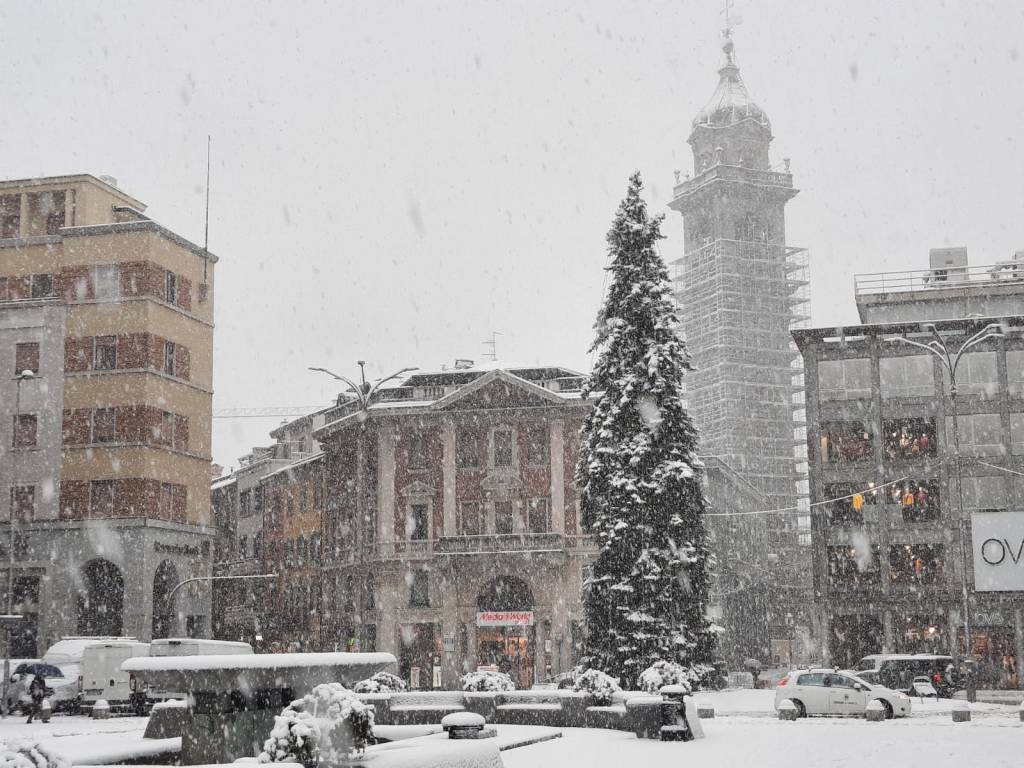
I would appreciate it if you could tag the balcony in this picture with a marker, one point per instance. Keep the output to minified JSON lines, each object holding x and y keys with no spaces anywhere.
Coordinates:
{"x":507,"y":543}
{"x":733,"y":173}
{"x":981,"y":278}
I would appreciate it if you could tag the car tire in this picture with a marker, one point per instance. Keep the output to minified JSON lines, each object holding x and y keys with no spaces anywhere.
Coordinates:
{"x":889,"y":714}
{"x":801,"y":710}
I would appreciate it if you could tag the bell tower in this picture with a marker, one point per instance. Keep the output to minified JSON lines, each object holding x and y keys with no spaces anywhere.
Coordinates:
{"x":741,"y":290}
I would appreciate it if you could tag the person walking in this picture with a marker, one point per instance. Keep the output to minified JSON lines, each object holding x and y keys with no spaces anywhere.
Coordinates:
{"x":37,"y":690}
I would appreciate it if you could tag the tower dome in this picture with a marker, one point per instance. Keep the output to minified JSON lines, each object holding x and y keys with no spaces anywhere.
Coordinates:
{"x":730,"y":104}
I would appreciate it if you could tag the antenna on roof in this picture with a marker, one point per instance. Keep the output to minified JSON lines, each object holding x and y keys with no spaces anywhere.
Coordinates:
{"x":493,"y":344}
{"x":206,"y":228}
{"x":731,"y":21}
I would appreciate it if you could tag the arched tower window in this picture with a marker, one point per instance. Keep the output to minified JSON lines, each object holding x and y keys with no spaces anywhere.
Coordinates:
{"x":751,"y":229}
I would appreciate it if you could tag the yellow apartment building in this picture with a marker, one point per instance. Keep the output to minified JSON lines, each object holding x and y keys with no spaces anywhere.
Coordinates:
{"x":106,"y":376}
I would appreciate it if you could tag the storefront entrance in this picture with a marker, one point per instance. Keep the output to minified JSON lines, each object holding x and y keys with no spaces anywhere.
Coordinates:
{"x":505,"y":629}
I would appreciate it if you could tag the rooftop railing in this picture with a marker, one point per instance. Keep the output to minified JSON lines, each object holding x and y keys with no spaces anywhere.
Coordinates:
{"x":1000,"y":273}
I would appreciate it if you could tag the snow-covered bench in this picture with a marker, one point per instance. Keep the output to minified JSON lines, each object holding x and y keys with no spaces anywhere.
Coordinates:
{"x":615,"y":715}
{"x":529,"y":708}
{"x":420,"y":707}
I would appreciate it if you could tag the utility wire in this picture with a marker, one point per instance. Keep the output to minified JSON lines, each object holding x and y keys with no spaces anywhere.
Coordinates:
{"x":814,"y":504}
{"x":1003,"y":469}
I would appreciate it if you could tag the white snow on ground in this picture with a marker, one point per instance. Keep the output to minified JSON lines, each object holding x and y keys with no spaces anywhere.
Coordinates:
{"x":84,"y":740}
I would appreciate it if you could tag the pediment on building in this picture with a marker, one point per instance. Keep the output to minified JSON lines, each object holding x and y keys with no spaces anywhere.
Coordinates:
{"x":417,"y":488}
{"x":496,"y":390}
{"x":502,"y":484}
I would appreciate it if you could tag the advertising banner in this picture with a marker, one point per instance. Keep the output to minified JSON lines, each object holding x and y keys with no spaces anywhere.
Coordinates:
{"x":504,"y":619}
{"x":998,"y":542}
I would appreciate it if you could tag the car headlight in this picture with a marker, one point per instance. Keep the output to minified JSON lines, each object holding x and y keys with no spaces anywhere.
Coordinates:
{"x":902,"y":696}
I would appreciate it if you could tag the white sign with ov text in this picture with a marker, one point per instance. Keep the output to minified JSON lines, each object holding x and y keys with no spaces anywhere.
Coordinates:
{"x":998,"y":542}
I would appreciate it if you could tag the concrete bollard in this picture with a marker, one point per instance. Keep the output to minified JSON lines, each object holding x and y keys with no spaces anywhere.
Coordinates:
{"x":961,"y":712}
{"x":45,"y":710}
{"x":464,"y":725}
{"x":787,"y":710}
{"x":705,"y":710}
{"x":875,"y":712}
{"x":100,"y":710}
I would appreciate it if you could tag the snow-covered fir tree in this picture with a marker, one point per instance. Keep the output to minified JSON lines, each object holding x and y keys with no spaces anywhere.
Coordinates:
{"x":638,"y":472}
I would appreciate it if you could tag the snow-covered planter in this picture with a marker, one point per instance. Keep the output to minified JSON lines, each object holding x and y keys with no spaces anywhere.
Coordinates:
{"x":662,"y":673}
{"x":382,"y":682}
{"x":29,"y":753}
{"x":599,"y":685}
{"x":487,"y":681}
{"x":326,"y":725}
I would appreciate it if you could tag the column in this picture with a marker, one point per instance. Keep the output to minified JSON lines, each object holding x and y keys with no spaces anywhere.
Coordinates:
{"x":385,"y":485}
{"x":558,"y":476}
{"x":1018,"y":638}
{"x":24,"y":215}
{"x":888,"y":644}
{"x":448,"y":478}
{"x":538,"y":648}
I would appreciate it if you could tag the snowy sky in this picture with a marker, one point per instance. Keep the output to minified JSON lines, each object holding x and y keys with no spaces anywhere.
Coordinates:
{"x":394,"y":180}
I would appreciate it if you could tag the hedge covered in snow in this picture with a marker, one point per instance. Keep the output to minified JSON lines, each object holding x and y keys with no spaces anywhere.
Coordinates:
{"x":597,"y":684}
{"x":327,"y":725}
{"x":487,"y":681}
{"x":382,"y":682}
{"x":662,"y":673}
{"x":29,"y":753}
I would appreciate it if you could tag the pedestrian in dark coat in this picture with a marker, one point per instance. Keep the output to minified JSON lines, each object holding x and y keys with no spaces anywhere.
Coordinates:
{"x":37,"y":690}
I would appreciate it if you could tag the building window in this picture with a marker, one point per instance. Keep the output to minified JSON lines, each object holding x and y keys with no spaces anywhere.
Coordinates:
{"x":26,"y":357}
{"x":846,"y":501}
{"x":503,"y":517}
{"x":844,"y":441}
{"x":42,"y":286}
{"x":908,"y":438}
{"x":907,"y":376}
{"x":417,"y":454}
{"x":10,"y":216}
{"x":171,"y":288}
{"x":851,"y":566}
{"x":104,"y":357}
{"x":467,"y":449}
{"x":1015,"y":372}
{"x":417,"y":525}
{"x":101,"y":498}
{"x":25,"y":430}
{"x":419,"y":591}
{"x":844,"y":379}
{"x":985,"y":493}
{"x":918,"y":499}
{"x":169,"y":352}
{"x":165,"y":429}
{"x":104,"y":425}
{"x":1017,"y":433}
{"x":23,"y":502}
{"x":916,"y":563}
{"x":538,"y":447}
{"x":107,"y":279}
{"x":976,"y":374}
{"x":503,"y":448}
{"x":538,"y":517}
{"x":981,"y":434}
{"x":470,"y":523}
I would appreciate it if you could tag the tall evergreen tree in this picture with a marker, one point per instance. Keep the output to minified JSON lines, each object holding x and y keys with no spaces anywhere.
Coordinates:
{"x":638,"y":472}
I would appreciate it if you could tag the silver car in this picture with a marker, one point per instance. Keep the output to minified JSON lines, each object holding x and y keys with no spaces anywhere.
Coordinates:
{"x":831,"y":692}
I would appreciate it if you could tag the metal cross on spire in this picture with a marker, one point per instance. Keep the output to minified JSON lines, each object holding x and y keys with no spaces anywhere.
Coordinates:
{"x":731,"y":21}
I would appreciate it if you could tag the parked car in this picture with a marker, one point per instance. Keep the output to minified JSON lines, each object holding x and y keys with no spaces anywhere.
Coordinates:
{"x":61,"y":689}
{"x":185,"y":646}
{"x":829,"y":692}
{"x":102,"y":677}
{"x":899,"y":670}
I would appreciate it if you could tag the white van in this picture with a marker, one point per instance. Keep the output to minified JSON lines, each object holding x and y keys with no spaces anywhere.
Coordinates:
{"x":102,"y":677}
{"x":190,"y":646}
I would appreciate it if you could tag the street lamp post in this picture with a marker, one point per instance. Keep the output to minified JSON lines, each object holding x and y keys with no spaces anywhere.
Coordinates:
{"x":192,"y":580}
{"x":11,"y":622}
{"x":950,"y":360}
{"x":364,"y":394}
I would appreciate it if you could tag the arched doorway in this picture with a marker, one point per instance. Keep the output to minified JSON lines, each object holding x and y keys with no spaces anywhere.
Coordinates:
{"x":101,"y":599}
{"x":504,"y":629}
{"x":163,"y":607}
